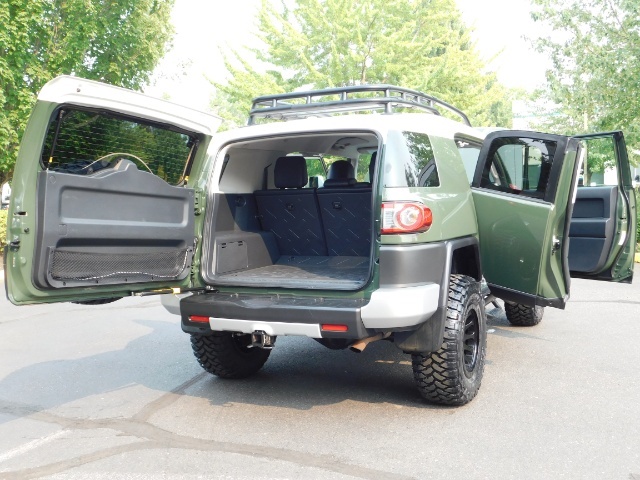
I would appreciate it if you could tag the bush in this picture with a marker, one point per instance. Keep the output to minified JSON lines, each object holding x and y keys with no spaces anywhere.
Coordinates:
{"x":3,"y":228}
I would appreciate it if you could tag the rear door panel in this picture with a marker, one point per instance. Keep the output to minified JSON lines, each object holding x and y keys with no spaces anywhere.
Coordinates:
{"x":592,"y":229}
{"x":101,"y":206}
{"x":603,"y":226}
{"x":118,"y":226}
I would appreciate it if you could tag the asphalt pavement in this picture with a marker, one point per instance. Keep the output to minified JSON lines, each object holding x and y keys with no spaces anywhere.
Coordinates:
{"x":113,"y":392}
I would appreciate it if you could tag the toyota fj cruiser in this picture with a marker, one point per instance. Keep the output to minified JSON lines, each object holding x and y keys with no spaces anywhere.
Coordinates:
{"x":345,"y":228}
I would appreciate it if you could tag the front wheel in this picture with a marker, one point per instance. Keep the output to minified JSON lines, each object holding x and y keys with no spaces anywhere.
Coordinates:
{"x":228,"y":355}
{"x":523,"y":316}
{"x":452,"y":375}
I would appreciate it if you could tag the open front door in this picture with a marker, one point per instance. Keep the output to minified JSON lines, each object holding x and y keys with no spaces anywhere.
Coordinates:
{"x":523,"y":193}
{"x":101,"y":205}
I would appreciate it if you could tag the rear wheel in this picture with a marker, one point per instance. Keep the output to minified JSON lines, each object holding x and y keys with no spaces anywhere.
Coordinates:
{"x":228,"y":355}
{"x":452,"y":375}
{"x":523,"y":316}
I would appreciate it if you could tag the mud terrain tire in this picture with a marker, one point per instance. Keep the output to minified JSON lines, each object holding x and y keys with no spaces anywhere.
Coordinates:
{"x":452,"y":375}
{"x":523,"y":316}
{"x":228,"y":355}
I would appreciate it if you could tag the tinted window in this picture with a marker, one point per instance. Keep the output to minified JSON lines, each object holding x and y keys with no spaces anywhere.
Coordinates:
{"x":519,"y":165}
{"x":469,"y":151}
{"x":315,"y":171}
{"x":409,"y":161}
{"x":82,"y":142}
{"x":420,"y":164}
{"x":363,"y":170}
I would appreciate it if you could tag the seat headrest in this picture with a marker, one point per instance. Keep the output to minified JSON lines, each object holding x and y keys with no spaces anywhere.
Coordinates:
{"x":340,"y":169}
{"x":339,"y":182}
{"x":290,"y":172}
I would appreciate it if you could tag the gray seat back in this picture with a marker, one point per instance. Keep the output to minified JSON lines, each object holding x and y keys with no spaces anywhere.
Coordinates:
{"x":291,"y":212}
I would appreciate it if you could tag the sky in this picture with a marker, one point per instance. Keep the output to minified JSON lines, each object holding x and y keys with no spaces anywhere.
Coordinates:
{"x":205,"y":27}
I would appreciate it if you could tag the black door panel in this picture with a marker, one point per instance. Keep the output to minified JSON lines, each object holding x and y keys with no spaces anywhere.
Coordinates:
{"x":117,"y":226}
{"x":592,"y":228}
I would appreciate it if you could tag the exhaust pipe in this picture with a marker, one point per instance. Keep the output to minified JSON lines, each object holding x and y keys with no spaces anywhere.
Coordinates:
{"x":361,"y":344}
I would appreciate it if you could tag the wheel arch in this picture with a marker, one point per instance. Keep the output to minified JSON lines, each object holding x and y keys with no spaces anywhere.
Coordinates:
{"x":465,"y":260}
{"x":462,"y":257}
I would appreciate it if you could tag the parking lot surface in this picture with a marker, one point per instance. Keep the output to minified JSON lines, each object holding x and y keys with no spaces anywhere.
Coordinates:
{"x":113,"y":392}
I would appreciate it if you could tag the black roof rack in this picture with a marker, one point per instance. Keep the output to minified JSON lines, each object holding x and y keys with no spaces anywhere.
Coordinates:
{"x":344,"y":100}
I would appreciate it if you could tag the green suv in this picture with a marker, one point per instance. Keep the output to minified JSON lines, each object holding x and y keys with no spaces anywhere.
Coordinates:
{"x":314,"y":220}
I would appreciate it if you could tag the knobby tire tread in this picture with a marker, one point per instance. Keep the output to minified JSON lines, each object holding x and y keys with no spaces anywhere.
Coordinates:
{"x":439,"y":375}
{"x":220,"y":355}
{"x":523,"y":316}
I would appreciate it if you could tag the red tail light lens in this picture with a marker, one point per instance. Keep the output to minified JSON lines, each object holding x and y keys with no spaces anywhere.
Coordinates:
{"x":405,"y":217}
{"x":330,"y":327}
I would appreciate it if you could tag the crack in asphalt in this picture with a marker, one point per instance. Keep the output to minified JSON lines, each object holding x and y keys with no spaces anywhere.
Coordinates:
{"x":154,"y":437}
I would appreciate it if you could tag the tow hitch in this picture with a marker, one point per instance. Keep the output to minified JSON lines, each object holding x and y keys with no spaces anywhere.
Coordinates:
{"x":261,"y":340}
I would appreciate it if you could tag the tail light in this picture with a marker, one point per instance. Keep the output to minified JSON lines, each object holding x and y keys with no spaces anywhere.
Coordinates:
{"x":405,"y":217}
{"x":330,"y":327}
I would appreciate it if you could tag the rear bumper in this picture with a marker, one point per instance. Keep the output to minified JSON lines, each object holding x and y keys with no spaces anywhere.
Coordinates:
{"x":280,"y":315}
{"x":388,"y":309}
{"x":391,"y":307}
{"x":171,"y":302}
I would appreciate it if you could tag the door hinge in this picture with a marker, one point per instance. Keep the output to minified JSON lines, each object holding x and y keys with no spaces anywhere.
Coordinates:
{"x":195,"y":261}
{"x":556,"y":245}
{"x":198,"y":201}
{"x":195,"y":268}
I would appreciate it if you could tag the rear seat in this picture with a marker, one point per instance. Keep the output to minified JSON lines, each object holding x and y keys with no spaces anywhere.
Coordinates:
{"x":291,"y":212}
{"x":345,"y":206}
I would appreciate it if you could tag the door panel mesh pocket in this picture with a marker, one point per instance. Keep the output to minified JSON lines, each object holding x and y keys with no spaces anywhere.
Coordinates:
{"x":108,"y":268}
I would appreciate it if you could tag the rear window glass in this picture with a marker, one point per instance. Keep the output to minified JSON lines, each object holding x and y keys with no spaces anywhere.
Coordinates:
{"x":315,"y":171}
{"x":469,"y":152}
{"x":82,"y":142}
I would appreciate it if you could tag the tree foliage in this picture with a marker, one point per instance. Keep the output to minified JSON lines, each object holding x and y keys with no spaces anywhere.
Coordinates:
{"x":115,"y":41}
{"x":3,"y":228}
{"x":419,"y":44}
{"x":594,"y":79}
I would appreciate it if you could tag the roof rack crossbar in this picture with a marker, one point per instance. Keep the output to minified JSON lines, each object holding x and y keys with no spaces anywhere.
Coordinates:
{"x":383,"y":97}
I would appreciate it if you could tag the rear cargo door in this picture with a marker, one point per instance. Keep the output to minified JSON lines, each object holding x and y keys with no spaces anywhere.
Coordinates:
{"x":102,"y":205}
{"x":523,"y":192}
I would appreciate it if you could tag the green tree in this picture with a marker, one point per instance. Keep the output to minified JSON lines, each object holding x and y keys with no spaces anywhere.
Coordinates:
{"x":115,"y":41}
{"x":593,"y":83}
{"x":419,"y":44}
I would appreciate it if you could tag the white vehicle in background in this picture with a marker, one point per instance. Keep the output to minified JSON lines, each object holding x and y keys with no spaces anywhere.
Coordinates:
{"x":6,"y":194}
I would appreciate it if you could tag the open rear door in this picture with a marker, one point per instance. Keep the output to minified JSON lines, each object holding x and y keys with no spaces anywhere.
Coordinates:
{"x":523,"y":192}
{"x":101,"y":203}
{"x":603,"y":224}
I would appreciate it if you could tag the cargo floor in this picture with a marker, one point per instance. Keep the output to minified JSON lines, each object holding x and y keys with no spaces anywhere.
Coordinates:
{"x":331,"y":273}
